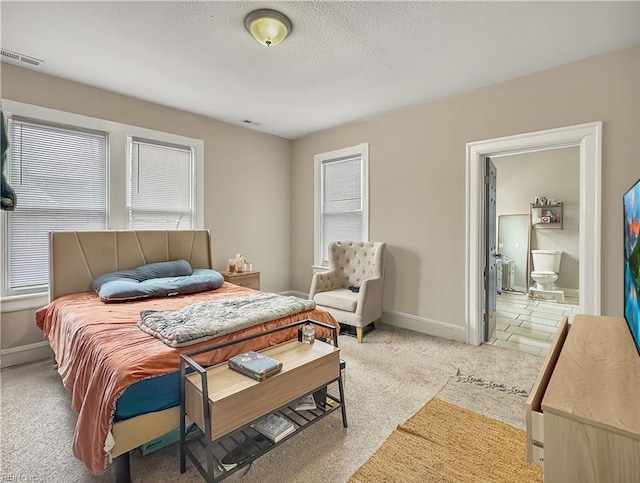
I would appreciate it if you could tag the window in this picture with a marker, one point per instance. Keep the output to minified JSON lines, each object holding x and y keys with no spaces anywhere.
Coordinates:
{"x":341,"y":198}
{"x":73,"y":172}
{"x":161,"y":186}
{"x":59,"y":174}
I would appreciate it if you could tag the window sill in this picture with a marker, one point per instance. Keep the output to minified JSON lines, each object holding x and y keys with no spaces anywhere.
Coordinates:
{"x":16,"y":303}
{"x":320,"y":268}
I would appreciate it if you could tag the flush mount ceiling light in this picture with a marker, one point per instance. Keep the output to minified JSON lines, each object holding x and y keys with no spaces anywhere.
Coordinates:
{"x":269,"y":27}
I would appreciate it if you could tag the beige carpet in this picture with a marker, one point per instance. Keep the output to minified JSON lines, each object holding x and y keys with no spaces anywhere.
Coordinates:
{"x":389,"y":378}
{"x":446,"y":443}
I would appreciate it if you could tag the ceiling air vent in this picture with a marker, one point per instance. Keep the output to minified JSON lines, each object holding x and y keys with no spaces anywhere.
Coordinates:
{"x":21,"y":57}
{"x":249,"y":121}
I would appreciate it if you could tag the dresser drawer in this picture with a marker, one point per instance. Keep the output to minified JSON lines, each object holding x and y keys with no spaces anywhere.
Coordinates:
{"x":534,"y":414}
{"x":537,"y":455}
{"x":537,"y":428}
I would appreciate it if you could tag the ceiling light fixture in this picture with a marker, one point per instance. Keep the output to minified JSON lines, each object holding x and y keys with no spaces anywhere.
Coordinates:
{"x":268,"y":27}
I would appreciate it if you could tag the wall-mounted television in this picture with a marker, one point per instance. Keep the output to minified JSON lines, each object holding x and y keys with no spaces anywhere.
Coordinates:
{"x":631,"y":202}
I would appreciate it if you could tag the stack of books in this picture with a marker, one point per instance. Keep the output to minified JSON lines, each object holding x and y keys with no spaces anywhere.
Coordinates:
{"x":255,"y":365}
{"x":274,"y":427}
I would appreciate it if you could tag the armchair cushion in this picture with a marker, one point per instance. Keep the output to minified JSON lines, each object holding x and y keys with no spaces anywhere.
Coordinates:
{"x":341,"y":299}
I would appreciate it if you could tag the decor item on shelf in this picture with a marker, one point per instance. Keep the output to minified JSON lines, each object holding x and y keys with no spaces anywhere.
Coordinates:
{"x":544,"y":201}
{"x":536,"y":215}
{"x":268,"y":27}
{"x":231,"y":266}
{"x":546,"y":212}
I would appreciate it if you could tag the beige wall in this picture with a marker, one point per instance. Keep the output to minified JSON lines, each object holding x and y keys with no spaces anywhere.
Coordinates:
{"x":247,"y":177}
{"x":417,"y":175}
{"x":554,"y":173}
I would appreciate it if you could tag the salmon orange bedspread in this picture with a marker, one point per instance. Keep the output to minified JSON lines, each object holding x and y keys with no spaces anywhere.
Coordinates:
{"x":100,"y":352}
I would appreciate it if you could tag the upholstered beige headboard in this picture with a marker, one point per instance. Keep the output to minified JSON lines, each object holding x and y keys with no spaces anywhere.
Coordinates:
{"x":77,"y":257}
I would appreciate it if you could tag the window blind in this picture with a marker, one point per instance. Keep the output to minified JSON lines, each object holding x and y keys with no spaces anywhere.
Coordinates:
{"x":161,"y":193}
{"x":341,"y":201}
{"x":59,"y":174}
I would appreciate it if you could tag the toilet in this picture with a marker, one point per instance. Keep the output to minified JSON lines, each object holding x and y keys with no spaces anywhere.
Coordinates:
{"x":546,"y":265}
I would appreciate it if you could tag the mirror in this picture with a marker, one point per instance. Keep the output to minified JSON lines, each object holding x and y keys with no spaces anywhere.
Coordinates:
{"x":514,"y":239}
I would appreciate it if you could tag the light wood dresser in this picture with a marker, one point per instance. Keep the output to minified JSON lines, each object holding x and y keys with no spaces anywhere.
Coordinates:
{"x":583,"y":414}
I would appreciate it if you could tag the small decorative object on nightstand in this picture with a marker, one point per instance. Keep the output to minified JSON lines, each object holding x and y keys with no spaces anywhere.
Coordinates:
{"x":240,"y":261}
{"x":244,"y":279}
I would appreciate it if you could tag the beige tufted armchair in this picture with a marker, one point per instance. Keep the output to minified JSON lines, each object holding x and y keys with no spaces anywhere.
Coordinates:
{"x":359,"y":264}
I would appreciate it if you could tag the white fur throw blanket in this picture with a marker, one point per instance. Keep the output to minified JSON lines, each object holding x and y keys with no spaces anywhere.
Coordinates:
{"x":199,"y":322}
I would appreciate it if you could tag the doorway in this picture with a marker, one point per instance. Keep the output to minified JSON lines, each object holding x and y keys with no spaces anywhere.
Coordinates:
{"x":528,"y":314}
{"x":588,"y":137}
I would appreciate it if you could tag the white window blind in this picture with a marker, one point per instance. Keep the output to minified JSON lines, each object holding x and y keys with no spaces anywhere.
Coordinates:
{"x":59,"y":174}
{"x":341,"y":201}
{"x":161,"y":193}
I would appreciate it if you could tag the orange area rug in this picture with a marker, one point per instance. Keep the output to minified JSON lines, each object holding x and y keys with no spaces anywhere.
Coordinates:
{"x":446,"y":443}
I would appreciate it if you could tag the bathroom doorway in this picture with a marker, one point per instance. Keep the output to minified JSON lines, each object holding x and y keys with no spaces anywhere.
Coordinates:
{"x":527,"y":319}
{"x":588,"y":139}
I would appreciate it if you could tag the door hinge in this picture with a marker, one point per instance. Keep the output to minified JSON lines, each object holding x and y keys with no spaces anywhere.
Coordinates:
{"x":486,"y":179}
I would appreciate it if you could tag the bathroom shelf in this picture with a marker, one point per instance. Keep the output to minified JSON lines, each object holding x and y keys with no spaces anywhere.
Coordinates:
{"x":553,"y":213}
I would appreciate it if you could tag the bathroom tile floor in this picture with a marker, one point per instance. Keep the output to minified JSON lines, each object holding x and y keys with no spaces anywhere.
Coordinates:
{"x":529,"y":325}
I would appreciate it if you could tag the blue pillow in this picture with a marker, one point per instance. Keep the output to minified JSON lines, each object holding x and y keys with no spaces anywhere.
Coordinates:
{"x":200,"y":280}
{"x":175,"y":268}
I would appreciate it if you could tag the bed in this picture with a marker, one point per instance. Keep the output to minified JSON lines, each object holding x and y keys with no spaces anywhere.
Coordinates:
{"x":123,"y":381}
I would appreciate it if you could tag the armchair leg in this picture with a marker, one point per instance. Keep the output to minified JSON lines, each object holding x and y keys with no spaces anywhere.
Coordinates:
{"x":359,"y":334}
{"x":375,"y":324}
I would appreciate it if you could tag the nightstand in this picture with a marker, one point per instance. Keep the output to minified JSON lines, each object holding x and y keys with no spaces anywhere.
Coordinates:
{"x":244,"y":279}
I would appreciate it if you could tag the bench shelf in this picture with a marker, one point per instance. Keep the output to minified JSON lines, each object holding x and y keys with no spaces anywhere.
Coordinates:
{"x":224,"y":403}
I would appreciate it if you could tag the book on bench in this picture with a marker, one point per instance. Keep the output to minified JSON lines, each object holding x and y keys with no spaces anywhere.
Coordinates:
{"x":255,"y":365}
{"x":274,"y":427}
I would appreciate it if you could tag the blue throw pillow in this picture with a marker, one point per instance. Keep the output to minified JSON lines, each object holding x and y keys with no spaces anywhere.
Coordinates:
{"x":200,"y":280}
{"x":175,"y":268}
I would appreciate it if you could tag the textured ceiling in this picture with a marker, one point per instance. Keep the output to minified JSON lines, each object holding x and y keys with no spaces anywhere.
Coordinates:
{"x":343,"y":62}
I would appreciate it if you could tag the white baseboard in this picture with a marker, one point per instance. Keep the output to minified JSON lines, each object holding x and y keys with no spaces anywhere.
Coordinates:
{"x":25,"y":353}
{"x":412,"y":322}
{"x":571,"y":292}
{"x":424,"y":326}
{"x":295,"y":293}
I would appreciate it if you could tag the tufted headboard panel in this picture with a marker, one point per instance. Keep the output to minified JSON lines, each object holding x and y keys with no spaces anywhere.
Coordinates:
{"x":355,"y":261}
{"x":77,"y":257}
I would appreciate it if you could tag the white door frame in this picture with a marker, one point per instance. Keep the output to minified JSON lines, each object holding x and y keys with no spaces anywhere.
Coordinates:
{"x":589,"y":138}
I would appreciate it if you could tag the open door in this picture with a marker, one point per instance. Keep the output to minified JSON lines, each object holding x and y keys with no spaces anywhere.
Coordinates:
{"x":490,"y":271}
